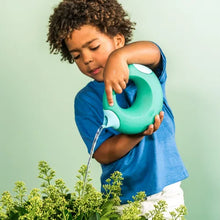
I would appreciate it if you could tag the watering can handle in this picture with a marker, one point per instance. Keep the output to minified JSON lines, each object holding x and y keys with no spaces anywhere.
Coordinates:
{"x":147,"y":104}
{"x":141,"y":68}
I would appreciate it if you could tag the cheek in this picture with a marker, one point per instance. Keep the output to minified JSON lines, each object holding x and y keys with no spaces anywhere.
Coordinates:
{"x":80,"y":66}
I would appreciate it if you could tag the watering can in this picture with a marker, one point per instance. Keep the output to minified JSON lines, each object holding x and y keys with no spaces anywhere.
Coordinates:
{"x":147,"y":104}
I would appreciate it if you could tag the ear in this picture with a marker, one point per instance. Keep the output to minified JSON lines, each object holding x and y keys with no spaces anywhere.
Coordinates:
{"x":119,"y":40}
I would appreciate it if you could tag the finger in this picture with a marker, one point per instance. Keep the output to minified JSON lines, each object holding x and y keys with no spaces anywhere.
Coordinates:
{"x":108,"y":90}
{"x":117,"y":88}
{"x":157,"y":122}
{"x":149,"y":130}
{"x":126,"y":80}
{"x":161,"y":115}
{"x":123,"y":84}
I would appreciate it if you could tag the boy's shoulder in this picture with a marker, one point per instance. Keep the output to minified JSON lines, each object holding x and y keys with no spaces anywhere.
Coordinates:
{"x":92,"y":86}
{"x":92,"y":90}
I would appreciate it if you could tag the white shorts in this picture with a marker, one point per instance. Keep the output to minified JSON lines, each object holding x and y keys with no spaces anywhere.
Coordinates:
{"x":172,"y":194}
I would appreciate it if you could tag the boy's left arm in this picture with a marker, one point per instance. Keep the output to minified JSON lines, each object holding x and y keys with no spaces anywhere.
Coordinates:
{"x":116,"y":72}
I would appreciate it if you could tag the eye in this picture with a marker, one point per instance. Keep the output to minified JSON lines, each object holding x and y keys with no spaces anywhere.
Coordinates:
{"x":76,"y":57}
{"x":95,"y":48}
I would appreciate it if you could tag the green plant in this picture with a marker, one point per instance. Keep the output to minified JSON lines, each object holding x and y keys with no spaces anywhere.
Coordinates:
{"x":54,"y":201}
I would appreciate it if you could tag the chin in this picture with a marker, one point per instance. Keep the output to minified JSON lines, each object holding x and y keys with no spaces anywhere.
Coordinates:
{"x":98,"y":78}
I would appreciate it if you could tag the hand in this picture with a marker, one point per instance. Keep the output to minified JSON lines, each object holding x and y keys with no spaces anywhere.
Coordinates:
{"x":116,"y":75}
{"x":116,"y":72}
{"x":153,"y":127}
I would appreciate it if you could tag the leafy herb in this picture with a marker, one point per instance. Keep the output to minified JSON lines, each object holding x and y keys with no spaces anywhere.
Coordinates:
{"x":54,"y":201}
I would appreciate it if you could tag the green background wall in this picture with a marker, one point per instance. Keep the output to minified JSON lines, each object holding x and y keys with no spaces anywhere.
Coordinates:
{"x":37,"y":93}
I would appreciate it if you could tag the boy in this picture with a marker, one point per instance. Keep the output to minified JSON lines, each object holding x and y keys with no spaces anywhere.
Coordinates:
{"x":95,"y":34}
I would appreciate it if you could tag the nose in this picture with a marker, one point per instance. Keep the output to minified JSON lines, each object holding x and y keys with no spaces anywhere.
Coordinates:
{"x":87,"y":58}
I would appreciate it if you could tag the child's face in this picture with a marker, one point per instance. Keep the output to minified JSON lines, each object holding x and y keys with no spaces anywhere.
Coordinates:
{"x":90,"y":49}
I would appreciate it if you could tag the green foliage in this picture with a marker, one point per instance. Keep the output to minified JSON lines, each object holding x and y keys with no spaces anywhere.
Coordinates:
{"x":54,"y":201}
{"x":179,"y":213}
{"x":161,"y":207}
{"x":133,"y":210}
{"x":157,"y":213}
{"x":113,"y":188}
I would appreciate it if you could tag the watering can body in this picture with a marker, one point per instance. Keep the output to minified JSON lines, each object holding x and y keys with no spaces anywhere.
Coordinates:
{"x":147,"y":104}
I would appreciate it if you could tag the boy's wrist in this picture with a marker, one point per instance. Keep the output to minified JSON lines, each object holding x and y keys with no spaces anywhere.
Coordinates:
{"x":119,"y":55}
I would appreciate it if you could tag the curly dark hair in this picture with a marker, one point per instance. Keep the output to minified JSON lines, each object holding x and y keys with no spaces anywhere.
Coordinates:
{"x":69,"y":15}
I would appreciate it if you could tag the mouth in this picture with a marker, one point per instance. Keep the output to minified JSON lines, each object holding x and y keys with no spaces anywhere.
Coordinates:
{"x":95,"y":71}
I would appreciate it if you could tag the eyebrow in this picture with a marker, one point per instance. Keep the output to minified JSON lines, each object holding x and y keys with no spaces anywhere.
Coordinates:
{"x":84,"y":45}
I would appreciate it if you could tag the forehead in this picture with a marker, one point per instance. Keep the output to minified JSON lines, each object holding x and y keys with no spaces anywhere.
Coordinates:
{"x":86,"y":30}
{"x":84,"y":35}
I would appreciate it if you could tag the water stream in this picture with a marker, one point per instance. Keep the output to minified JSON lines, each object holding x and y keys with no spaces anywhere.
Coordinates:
{"x":91,"y":154}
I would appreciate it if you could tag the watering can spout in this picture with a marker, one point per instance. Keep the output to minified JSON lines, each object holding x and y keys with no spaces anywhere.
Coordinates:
{"x":110,"y":120}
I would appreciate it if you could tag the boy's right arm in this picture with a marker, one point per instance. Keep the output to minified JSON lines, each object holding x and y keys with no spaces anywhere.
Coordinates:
{"x":116,"y":73}
{"x":118,"y":146}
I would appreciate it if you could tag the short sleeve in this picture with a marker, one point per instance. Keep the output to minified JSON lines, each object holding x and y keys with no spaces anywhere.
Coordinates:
{"x":160,"y":71}
{"x":89,"y":118}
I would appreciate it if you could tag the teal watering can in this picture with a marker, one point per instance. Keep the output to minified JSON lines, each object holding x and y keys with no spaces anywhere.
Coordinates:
{"x":148,"y":103}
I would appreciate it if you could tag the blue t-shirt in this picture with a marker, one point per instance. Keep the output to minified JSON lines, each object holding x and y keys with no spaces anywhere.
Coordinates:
{"x":153,"y":163}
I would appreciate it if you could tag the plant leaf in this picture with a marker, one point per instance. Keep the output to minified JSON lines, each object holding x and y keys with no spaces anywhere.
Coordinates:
{"x":96,"y":216}
{"x":107,"y":206}
{"x":80,"y":217}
